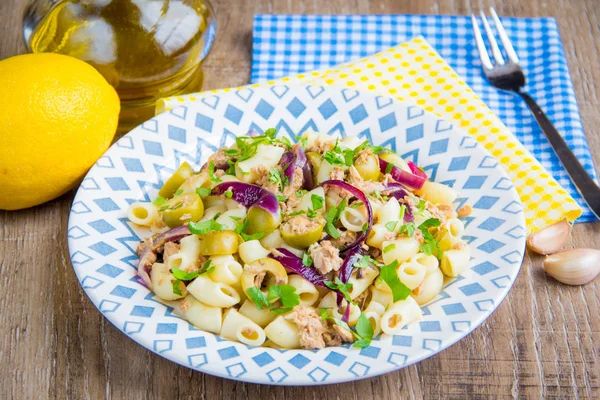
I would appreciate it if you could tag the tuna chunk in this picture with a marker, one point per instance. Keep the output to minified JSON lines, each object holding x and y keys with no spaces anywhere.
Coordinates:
{"x":356,"y":180}
{"x":311,"y":328}
{"x":170,"y":249}
{"x":326,"y":258}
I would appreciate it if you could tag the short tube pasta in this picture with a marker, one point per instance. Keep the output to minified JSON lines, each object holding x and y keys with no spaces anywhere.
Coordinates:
{"x":214,"y":294}
{"x":162,"y":283}
{"x":411,"y":274}
{"x":359,"y":285}
{"x":430,"y":288}
{"x":307,"y":292}
{"x":437,"y":193}
{"x":377,"y":236}
{"x":231,"y":217}
{"x":200,"y":315}
{"x":226,"y":269}
{"x":283,"y":333}
{"x":431,"y":263}
{"x":400,"y":314}
{"x":187,"y":257}
{"x":272,"y":240}
{"x":455,"y":262}
{"x":252,"y":250}
{"x":399,"y":250}
{"x":211,"y":212}
{"x":261,"y":317}
{"x":388,"y":212}
{"x":240,"y":328}
{"x":374,"y":319}
{"x":143,"y":214}
{"x":352,"y":219}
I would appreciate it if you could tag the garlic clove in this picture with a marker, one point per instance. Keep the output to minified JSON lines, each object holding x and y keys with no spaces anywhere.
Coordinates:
{"x":573,"y":267}
{"x":550,"y":239}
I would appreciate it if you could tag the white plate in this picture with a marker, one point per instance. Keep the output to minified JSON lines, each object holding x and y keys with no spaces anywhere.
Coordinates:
{"x":102,"y":241}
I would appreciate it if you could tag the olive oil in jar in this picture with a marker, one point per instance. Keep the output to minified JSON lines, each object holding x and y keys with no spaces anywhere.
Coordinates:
{"x":146,"y":49}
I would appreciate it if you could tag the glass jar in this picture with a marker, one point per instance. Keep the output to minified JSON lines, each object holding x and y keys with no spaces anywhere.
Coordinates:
{"x":146,"y":49}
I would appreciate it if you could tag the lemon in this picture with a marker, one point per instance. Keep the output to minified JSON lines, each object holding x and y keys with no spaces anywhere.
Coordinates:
{"x":58,"y":115}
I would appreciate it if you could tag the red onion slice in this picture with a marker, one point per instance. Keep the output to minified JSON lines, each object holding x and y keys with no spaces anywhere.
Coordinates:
{"x":297,"y":159}
{"x":416,"y":170}
{"x":362,"y":197}
{"x":345,"y":272}
{"x":250,"y":196}
{"x":294,"y":264}
{"x":399,"y":175}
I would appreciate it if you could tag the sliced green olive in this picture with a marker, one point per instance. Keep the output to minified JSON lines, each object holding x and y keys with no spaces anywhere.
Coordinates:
{"x":182,"y":209}
{"x":395,"y":159}
{"x":219,"y":243}
{"x":263,"y":272}
{"x":260,"y":220}
{"x":368,"y":167}
{"x":176,"y":180}
{"x":300,"y":231}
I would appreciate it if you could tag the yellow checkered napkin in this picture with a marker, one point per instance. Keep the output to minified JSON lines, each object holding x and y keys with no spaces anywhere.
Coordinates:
{"x":414,"y":73}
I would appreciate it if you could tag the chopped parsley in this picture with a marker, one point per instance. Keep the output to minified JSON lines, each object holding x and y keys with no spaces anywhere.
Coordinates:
{"x":430,"y":245}
{"x":402,"y":212}
{"x":389,"y":275}
{"x":159,"y":201}
{"x":389,"y":247}
{"x":204,"y":227}
{"x":211,"y":173}
{"x":228,"y":193}
{"x":271,"y":133}
{"x":180,"y":275}
{"x":258,"y":298}
{"x":178,"y":192}
{"x":364,"y":330}
{"x":280,"y":198}
{"x":332,"y":216}
{"x":231,"y":169}
{"x":389,"y":167}
{"x":306,"y":260}
{"x":356,"y":204}
{"x":421,"y":206}
{"x":300,"y":193}
{"x":342,"y":287}
{"x":286,"y":294}
{"x":311,"y":213}
{"x":339,"y":156}
{"x":203,"y":192}
{"x":391,"y":226}
{"x":275,"y":177}
{"x":408,"y":228}
{"x":254,"y":236}
{"x":317,"y":201}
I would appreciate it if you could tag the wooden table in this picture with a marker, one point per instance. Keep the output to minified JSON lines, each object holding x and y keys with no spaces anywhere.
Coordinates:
{"x":543,"y":341}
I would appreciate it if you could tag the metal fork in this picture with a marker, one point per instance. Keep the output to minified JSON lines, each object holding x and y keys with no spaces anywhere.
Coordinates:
{"x":508,"y":75}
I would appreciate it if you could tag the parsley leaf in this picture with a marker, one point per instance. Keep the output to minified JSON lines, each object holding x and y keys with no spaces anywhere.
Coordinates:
{"x":184,"y":276}
{"x":159,"y":201}
{"x":421,"y":205}
{"x":402,"y":212}
{"x":408,"y":228}
{"x":389,"y":167}
{"x":430,"y":245}
{"x":391,"y":226}
{"x":430,"y":223}
{"x":389,"y":247}
{"x":342,"y":287}
{"x":176,"y":290}
{"x":280,"y":198}
{"x":317,"y":201}
{"x":271,"y":133}
{"x":389,"y":275}
{"x":254,"y":236}
{"x":275,"y":177}
{"x":202,"y":228}
{"x":286,"y":294}
{"x":178,"y":192}
{"x":258,"y":298}
{"x":228,"y":193}
{"x":306,"y":260}
{"x":203,"y":192}
{"x":211,"y":173}
{"x":364,"y":329}
{"x":363,"y":261}
{"x":332,"y":216}
{"x":311,"y":213}
{"x":300,"y":193}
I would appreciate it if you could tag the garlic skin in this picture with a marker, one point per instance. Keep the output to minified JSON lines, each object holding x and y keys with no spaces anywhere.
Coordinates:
{"x":550,"y":239}
{"x":573,"y":267}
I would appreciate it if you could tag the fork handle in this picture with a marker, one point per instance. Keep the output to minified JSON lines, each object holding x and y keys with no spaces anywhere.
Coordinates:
{"x":582,"y":180}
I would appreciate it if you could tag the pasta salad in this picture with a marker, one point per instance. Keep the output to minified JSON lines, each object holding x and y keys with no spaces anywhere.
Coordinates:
{"x":307,"y":245}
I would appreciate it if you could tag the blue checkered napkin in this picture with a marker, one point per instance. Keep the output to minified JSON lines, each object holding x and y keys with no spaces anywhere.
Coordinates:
{"x":290,"y":44}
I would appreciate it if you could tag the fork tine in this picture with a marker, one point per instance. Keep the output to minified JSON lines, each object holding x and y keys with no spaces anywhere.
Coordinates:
{"x":495,"y":49}
{"x":510,"y":51}
{"x":483,"y":54}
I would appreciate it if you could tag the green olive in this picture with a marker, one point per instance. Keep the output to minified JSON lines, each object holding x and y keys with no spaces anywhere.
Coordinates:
{"x":314,"y":159}
{"x":260,"y":220}
{"x":368,"y":167}
{"x":176,"y":180}
{"x":194,"y":182}
{"x":270,"y":271}
{"x":219,"y":243}
{"x":182,"y":209}
{"x":300,"y":232}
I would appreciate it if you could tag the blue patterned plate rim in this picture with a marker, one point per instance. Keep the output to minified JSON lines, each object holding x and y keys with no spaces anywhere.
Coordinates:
{"x":101,"y":242}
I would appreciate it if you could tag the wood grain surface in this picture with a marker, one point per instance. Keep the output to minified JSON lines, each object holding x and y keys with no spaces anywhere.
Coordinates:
{"x":542,"y":342}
